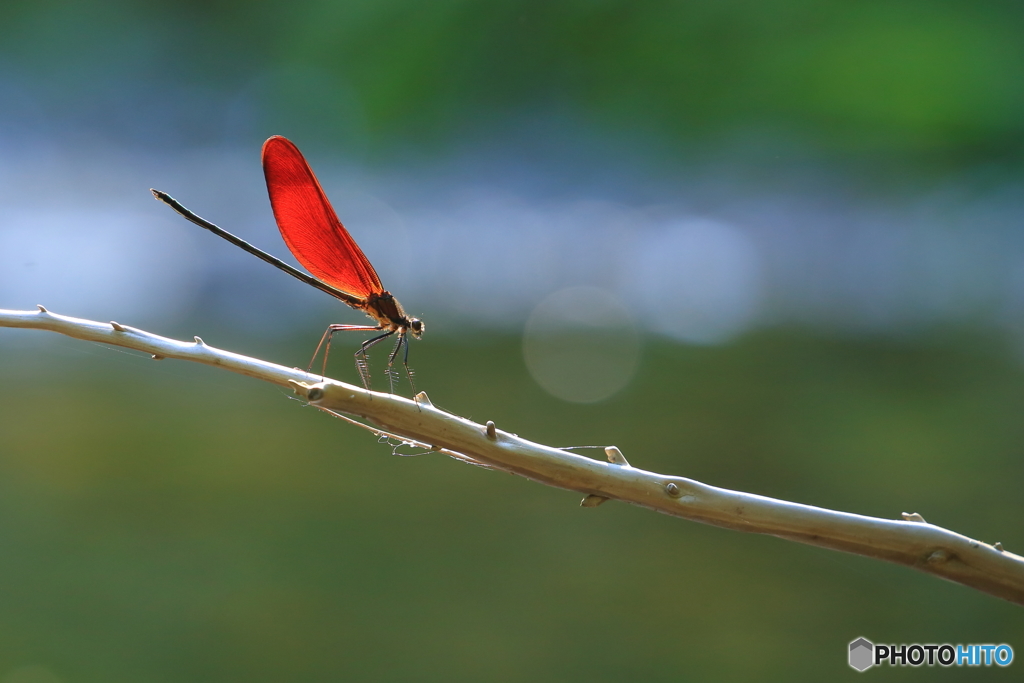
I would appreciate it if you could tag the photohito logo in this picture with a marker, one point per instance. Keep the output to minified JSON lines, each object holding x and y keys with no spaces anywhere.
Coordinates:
{"x":864,"y":654}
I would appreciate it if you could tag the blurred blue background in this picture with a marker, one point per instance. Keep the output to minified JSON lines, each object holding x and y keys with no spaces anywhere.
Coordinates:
{"x":774,"y":246}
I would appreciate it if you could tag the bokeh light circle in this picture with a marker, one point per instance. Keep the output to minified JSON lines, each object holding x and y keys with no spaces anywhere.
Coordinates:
{"x":697,"y":281}
{"x":581,"y":345}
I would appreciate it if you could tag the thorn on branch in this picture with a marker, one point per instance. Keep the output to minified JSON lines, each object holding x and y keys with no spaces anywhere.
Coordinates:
{"x":672,"y":489}
{"x":592,"y":501}
{"x":118,"y":327}
{"x":157,"y":356}
{"x":938,"y":557}
{"x":42,"y":309}
{"x":913,"y":517}
{"x":492,"y":432}
{"x":998,"y":546}
{"x":422,"y":398}
{"x":615,"y":456}
{"x":199,"y":342}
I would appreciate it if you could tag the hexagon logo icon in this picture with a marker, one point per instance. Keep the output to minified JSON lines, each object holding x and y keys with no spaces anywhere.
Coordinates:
{"x":862,"y":653}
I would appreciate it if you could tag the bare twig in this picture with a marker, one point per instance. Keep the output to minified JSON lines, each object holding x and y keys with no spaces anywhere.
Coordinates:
{"x":909,"y":541}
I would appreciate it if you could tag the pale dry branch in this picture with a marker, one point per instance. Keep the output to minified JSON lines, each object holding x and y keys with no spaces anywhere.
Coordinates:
{"x":909,"y":541}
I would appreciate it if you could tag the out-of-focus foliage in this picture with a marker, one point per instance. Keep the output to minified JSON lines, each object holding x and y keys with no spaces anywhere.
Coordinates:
{"x":899,"y":77}
{"x":909,"y":76}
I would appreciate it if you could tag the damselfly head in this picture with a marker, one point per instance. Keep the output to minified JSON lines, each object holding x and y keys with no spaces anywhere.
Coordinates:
{"x":416,"y":327}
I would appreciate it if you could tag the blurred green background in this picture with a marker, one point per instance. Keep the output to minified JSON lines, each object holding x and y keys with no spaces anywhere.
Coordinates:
{"x":162,"y":522}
